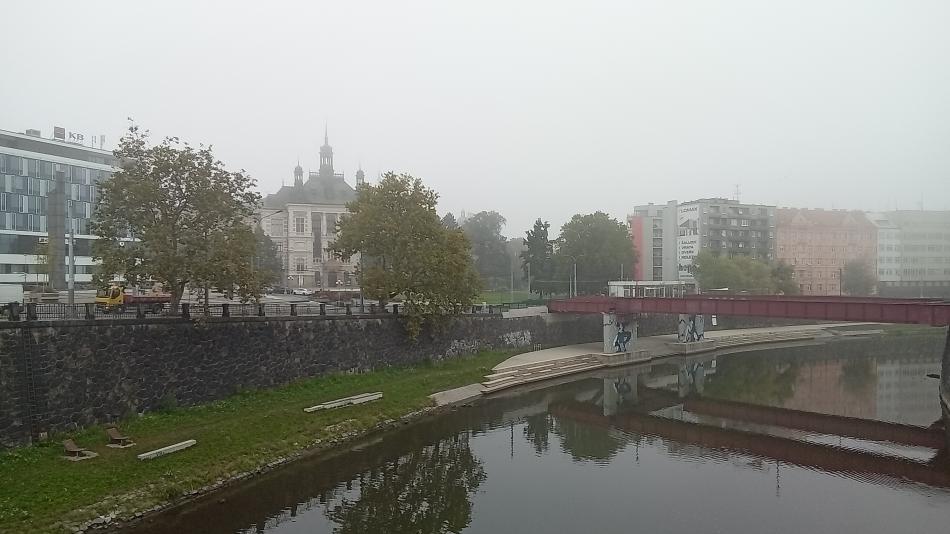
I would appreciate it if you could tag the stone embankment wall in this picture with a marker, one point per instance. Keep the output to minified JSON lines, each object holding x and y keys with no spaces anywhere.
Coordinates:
{"x":58,"y":376}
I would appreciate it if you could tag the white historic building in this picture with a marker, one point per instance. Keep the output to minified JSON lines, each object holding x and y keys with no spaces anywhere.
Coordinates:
{"x":301,"y":220}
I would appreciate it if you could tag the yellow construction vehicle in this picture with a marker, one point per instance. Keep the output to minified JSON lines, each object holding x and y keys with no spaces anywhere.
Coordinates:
{"x":119,"y":298}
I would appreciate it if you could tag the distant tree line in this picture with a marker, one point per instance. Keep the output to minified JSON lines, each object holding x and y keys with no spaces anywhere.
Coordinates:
{"x":590,"y":250}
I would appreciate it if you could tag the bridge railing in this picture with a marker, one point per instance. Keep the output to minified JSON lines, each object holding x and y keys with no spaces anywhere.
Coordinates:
{"x":934,"y":312}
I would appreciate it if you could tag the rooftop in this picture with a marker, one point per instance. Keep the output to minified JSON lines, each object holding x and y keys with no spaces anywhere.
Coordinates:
{"x":316,"y":190}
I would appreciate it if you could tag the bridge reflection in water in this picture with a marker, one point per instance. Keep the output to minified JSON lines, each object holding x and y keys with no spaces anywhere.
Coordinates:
{"x":556,"y":457}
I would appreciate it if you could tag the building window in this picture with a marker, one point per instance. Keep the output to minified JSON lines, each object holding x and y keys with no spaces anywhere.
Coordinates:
{"x":301,"y":265}
{"x":299,"y":224}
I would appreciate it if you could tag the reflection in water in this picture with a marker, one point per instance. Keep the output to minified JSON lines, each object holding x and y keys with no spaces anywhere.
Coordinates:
{"x":815,"y":438}
{"x":427,"y":491}
{"x":587,"y":442}
{"x":756,"y":380}
{"x":537,"y":430}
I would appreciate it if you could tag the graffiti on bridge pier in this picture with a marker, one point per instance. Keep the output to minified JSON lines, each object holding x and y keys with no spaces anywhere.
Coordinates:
{"x":691,"y":328}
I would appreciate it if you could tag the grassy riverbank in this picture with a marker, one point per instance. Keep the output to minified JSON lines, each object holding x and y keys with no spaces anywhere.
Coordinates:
{"x":39,"y":490}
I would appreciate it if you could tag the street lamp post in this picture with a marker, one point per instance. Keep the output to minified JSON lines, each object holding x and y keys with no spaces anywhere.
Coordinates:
{"x":575,"y":275}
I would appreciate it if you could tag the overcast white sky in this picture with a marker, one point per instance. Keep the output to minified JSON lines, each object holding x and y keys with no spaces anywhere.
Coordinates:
{"x":533,"y":109}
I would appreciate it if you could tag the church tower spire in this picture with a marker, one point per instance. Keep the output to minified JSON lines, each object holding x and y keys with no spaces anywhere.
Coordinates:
{"x":360,"y":176}
{"x":326,"y":156}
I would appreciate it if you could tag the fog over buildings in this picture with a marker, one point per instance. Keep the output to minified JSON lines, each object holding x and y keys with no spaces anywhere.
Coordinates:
{"x":533,"y":109}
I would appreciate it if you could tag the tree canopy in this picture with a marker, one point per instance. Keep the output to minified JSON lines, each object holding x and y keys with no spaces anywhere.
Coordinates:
{"x":173,"y":214}
{"x":783,"y":277}
{"x":537,"y":260}
{"x":405,"y":250}
{"x":267,"y":259}
{"x":741,"y":274}
{"x":599,"y":245}
{"x":449,"y":222}
{"x":489,"y":247}
{"x":857,"y":278}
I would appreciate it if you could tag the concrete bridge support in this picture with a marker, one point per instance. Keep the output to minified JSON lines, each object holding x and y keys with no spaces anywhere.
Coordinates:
{"x":692,"y":327}
{"x":620,"y":332}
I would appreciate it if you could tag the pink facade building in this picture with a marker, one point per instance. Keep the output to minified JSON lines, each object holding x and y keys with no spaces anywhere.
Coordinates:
{"x":818,"y":243}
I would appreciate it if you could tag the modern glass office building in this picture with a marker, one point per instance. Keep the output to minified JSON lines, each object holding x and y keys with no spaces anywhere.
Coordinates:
{"x":29,"y":165}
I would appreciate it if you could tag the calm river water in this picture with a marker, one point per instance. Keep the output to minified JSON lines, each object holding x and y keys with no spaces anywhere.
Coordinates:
{"x":804,"y":439}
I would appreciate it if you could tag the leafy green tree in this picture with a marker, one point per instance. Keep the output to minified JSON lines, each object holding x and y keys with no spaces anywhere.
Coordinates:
{"x":598,"y":244}
{"x":174,"y":214}
{"x":232,"y":265}
{"x":449,"y":222}
{"x":405,"y":250}
{"x":739,"y":274}
{"x":489,"y":247}
{"x":537,"y":261}
{"x":267,"y":258}
{"x":783,"y":279}
{"x":857,"y":278}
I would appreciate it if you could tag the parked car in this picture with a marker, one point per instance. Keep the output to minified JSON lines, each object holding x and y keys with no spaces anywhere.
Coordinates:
{"x":303,"y":291}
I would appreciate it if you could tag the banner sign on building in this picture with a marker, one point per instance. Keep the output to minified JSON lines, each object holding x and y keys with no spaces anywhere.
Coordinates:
{"x":687,"y":239}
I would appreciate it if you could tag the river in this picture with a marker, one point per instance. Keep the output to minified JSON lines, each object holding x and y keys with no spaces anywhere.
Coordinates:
{"x":819,"y":438}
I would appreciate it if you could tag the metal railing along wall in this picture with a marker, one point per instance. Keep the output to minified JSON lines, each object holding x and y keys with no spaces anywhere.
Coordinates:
{"x":15,"y":311}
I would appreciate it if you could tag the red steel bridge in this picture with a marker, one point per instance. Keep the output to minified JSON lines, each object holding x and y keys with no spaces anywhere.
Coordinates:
{"x":933,"y":312}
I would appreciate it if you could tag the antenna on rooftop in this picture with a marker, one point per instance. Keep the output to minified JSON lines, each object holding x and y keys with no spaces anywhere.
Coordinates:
{"x":737,"y":193}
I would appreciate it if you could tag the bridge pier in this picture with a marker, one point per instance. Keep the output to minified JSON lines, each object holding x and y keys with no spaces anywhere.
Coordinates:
{"x":692,"y":327}
{"x":620,"y":332}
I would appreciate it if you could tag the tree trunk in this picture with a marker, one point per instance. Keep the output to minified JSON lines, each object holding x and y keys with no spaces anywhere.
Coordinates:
{"x":176,"y":299}
{"x":207,"y":293}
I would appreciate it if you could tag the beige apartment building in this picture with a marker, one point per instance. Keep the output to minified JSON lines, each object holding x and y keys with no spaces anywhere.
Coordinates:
{"x":818,"y":243}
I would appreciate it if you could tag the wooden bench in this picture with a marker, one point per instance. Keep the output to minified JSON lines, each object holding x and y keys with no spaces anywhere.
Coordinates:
{"x":117,"y":440}
{"x":75,"y":453}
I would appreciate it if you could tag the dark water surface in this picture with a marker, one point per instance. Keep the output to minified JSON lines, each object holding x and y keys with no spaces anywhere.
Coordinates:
{"x":703,"y":444}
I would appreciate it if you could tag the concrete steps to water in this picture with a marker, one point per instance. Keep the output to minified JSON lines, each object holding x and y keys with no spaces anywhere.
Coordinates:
{"x":516,"y":375}
{"x":523,"y":374}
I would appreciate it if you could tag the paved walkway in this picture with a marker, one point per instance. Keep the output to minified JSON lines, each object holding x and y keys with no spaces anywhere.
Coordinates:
{"x":653,"y":344}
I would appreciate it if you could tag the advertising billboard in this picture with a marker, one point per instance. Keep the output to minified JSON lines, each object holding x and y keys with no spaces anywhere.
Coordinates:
{"x":687,"y":239}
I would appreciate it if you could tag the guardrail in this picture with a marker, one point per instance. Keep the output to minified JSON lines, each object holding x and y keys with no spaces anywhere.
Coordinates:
{"x":15,"y":311}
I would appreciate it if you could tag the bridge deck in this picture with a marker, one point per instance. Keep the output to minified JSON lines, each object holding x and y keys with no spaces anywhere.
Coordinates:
{"x":858,"y":309}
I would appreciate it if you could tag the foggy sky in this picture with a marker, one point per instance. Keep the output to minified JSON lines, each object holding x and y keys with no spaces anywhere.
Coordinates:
{"x":533,"y":109}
